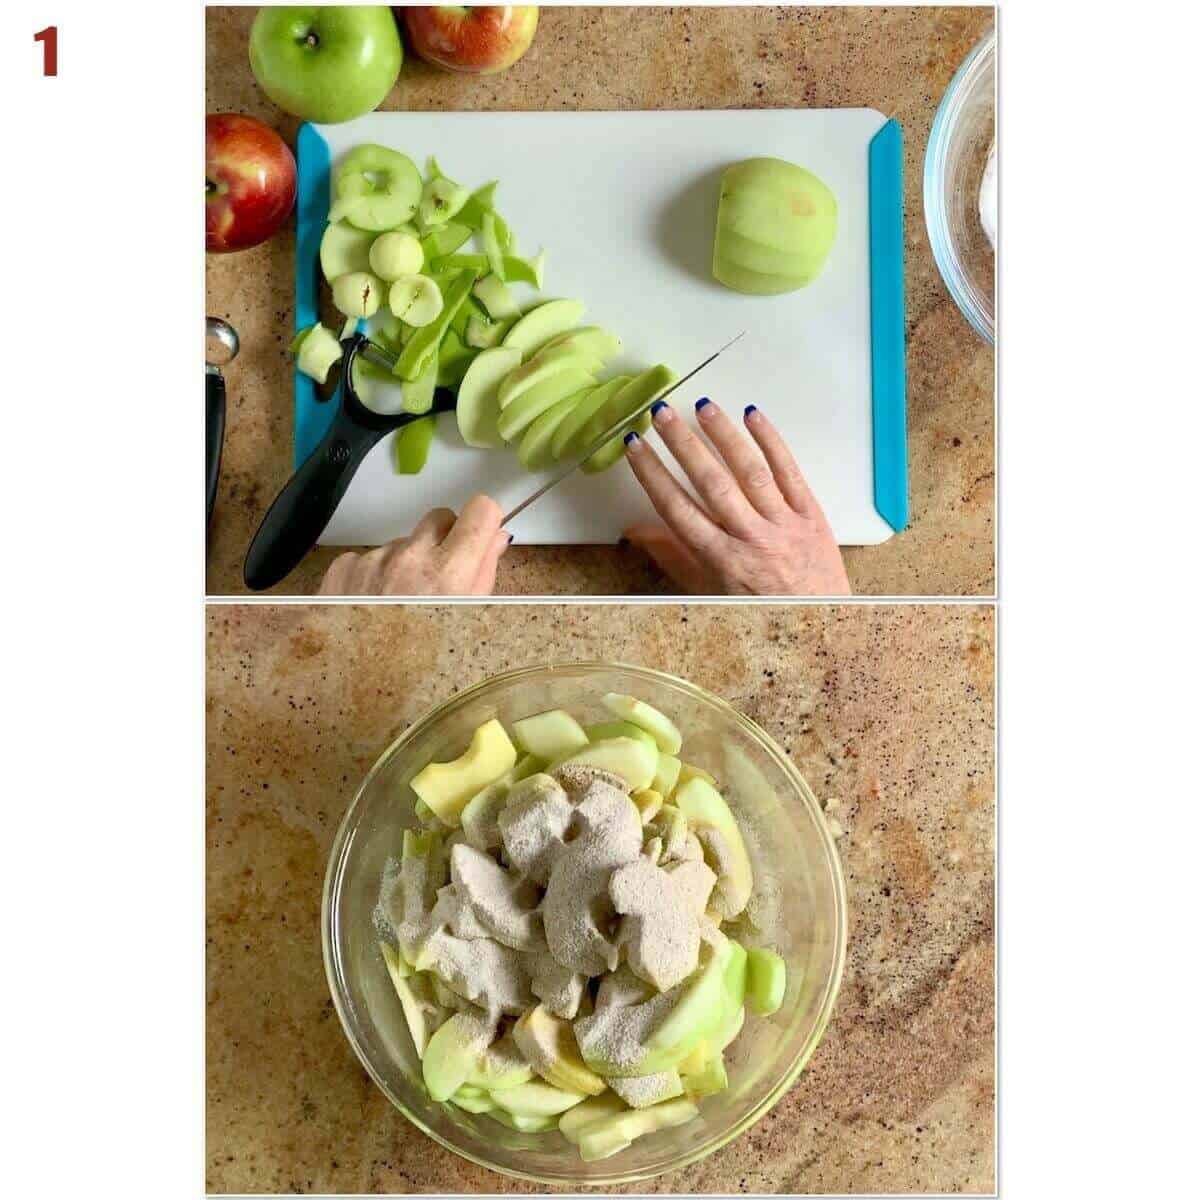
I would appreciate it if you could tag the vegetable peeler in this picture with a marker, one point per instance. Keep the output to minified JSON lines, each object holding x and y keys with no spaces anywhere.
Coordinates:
{"x":298,"y":515}
{"x":220,"y":349}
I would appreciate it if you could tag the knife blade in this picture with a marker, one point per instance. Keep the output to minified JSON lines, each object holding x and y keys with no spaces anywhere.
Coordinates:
{"x":616,"y":430}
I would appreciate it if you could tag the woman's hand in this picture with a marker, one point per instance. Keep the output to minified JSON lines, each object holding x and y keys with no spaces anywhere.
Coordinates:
{"x":759,"y":530}
{"x":445,"y":556}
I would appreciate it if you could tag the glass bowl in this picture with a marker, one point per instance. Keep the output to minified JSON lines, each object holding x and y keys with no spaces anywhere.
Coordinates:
{"x":963,"y":133}
{"x":799,"y":909}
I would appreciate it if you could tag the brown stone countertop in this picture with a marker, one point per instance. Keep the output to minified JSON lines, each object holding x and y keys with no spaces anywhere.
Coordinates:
{"x":887,"y":711}
{"x":898,"y":60}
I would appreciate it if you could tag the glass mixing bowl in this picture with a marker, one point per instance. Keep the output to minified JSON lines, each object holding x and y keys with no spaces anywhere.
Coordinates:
{"x":799,"y":909}
{"x":963,"y":132}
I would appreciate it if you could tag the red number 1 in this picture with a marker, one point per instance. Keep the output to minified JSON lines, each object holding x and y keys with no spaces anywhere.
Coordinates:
{"x":49,"y":39}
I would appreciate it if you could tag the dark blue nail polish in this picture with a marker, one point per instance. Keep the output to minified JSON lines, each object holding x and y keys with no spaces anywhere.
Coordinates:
{"x":750,"y":408}
{"x":510,"y":539}
{"x":630,"y":438}
{"x":657,"y":407}
{"x":622,"y":543}
{"x":702,"y":402}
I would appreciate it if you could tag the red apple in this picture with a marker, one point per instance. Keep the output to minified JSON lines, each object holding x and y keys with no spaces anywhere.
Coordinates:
{"x":478,"y":41}
{"x":249,"y":181}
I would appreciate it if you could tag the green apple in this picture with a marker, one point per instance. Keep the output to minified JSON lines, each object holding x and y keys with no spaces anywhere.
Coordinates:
{"x":548,"y":1044}
{"x":452,"y":1053}
{"x":345,"y":249}
{"x":637,"y":712}
{"x":552,"y":734}
{"x":540,"y":368}
{"x":766,"y":981}
{"x":495,"y":296}
{"x":776,"y":224}
{"x":536,"y":1099}
{"x":394,"y":255}
{"x":534,"y":451}
{"x":611,"y":1135}
{"x":531,"y":403}
{"x":358,"y":294}
{"x":705,"y":809}
{"x":568,"y":436}
{"x":606,"y":730}
{"x":632,"y":760}
{"x":501,"y":1066}
{"x":522,"y":1123}
{"x":588,"y":1113}
{"x":540,"y":324}
{"x":375,"y":188}
{"x":415,"y":299}
{"x":446,"y":787}
{"x":326,"y":64}
{"x":316,"y":350}
{"x":478,"y":408}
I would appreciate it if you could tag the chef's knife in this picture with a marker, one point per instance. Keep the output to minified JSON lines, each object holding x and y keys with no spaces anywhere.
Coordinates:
{"x":617,"y":430}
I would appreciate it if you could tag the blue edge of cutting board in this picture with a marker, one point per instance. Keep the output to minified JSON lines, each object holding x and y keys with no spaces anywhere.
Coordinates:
{"x":886,"y":208}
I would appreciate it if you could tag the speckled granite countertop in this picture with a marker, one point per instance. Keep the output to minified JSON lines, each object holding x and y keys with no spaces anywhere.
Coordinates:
{"x":888,"y":711}
{"x":898,"y":60}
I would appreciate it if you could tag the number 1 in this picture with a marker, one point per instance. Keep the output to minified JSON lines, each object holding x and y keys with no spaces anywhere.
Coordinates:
{"x":49,"y":39}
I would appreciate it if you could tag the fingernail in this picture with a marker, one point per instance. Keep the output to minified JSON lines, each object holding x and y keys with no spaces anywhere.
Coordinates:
{"x":630,"y":438}
{"x":704,"y":400}
{"x":657,"y":407}
{"x":750,"y":408}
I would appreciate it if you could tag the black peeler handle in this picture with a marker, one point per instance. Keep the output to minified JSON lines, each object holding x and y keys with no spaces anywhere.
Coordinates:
{"x":214,"y":436}
{"x":302,"y":510}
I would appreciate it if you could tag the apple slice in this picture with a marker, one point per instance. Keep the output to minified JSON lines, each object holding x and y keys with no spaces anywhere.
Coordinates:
{"x":345,"y":250}
{"x":549,"y":735}
{"x":415,"y":299}
{"x":689,"y":771}
{"x":648,"y":802}
{"x":536,"y":1099}
{"x":418,"y":393}
{"x":452,"y":1053}
{"x":471,"y":1103}
{"x":316,"y":350}
{"x":642,"y":1091}
{"x":536,"y":400}
{"x":495,"y":296}
{"x":538,"y":369}
{"x":632,"y":760}
{"x":566,"y":438}
{"x":395,"y":255}
{"x":612,"y":1134}
{"x":725,"y":853}
{"x":501,"y":1066}
{"x":637,"y":712}
{"x":446,"y":787}
{"x":667,"y":775}
{"x":591,"y":339}
{"x":638,"y":392}
{"x":538,"y":326}
{"x":522,"y":1123}
{"x":708,"y":1078}
{"x":766,"y":981}
{"x":588,"y":1113}
{"x":478,"y":407}
{"x":606,"y":730}
{"x":375,"y":188}
{"x":548,"y":1044}
{"x":534,"y":450}
{"x":358,"y":294}
{"x":425,"y":341}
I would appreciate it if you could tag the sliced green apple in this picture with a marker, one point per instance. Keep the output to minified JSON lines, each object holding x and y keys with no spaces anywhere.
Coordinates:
{"x":648,"y":802}
{"x":540,"y":324}
{"x":708,"y":1078}
{"x":637,"y":712}
{"x":766,"y":981}
{"x":639,"y":391}
{"x":725,"y":853}
{"x":552,"y":734}
{"x":478,"y":408}
{"x":444,"y":240}
{"x":531,"y":403}
{"x":605,"y":730}
{"x":500,"y":1066}
{"x":591,"y":340}
{"x":548,"y":1044}
{"x":345,"y":250}
{"x":667,"y":775}
{"x":358,"y":294}
{"x":688,"y":771}
{"x":441,"y":199}
{"x":643,"y":1091}
{"x":316,"y":350}
{"x":567,"y":437}
{"x":538,"y":369}
{"x":611,"y":1135}
{"x":418,"y":393}
{"x":632,"y":760}
{"x":485,"y":334}
{"x":471,"y":1103}
{"x":452,"y":1053}
{"x":534,"y":450}
{"x":446,"y":787}
{"x":536,"y":1099}
{"x":588,"y":1113}
{"x":522,"y":1123}
{"x":395,"y":255}
{"x":375,"y":188}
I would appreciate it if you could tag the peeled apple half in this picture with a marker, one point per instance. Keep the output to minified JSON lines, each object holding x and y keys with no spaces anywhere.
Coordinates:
{"x":776,"y":223}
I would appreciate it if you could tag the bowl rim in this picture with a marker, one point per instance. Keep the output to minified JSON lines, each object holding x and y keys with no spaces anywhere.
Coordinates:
{"x":935,"y":223}
{"x":336,"y":866}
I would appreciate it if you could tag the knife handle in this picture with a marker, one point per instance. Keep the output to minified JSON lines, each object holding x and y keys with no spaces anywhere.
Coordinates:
{"x":214,"y":436}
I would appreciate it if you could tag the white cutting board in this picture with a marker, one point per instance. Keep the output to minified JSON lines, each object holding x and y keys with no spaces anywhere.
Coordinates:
{"x":625,"y":204}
